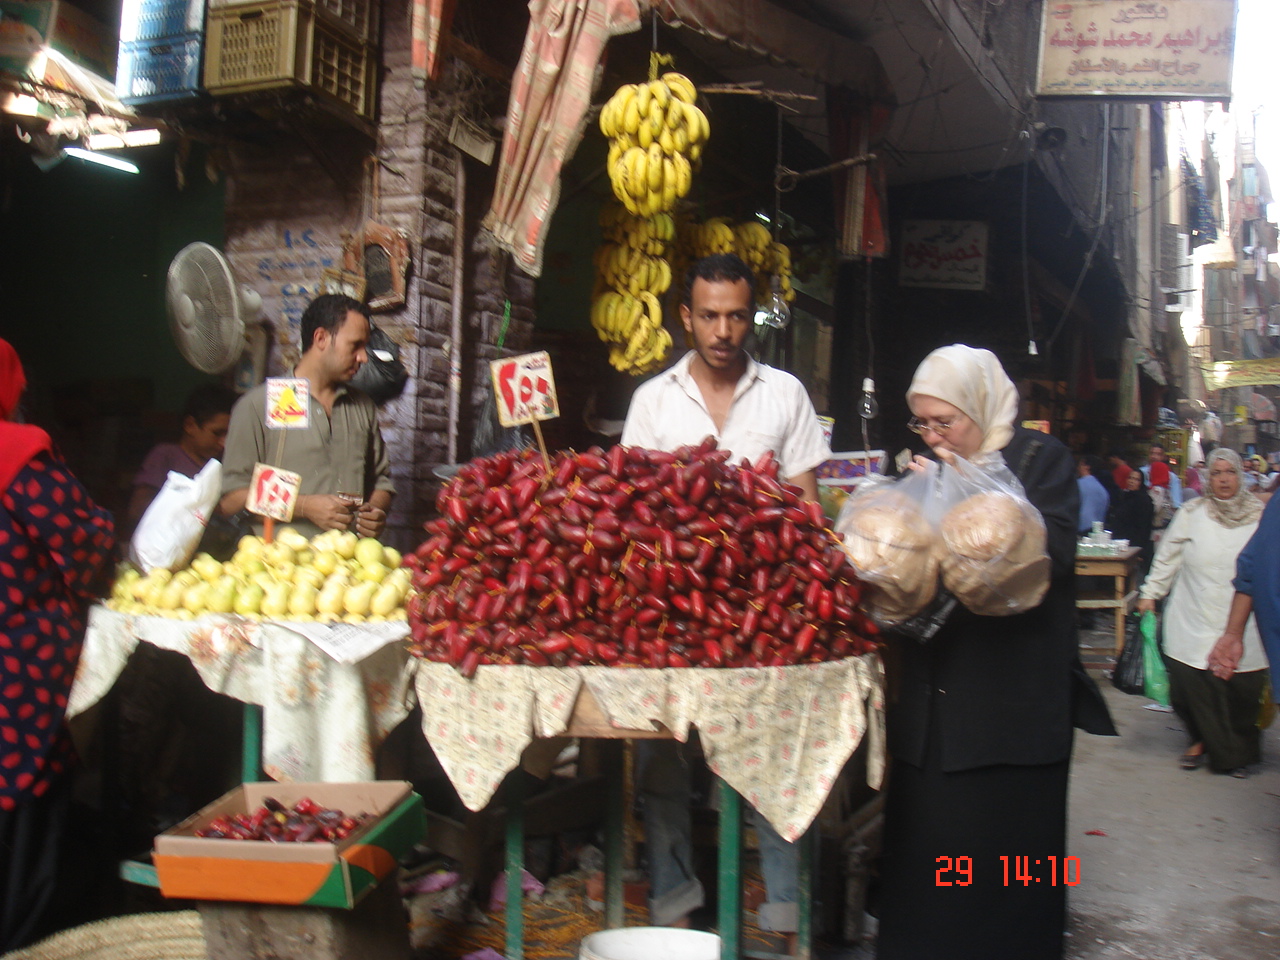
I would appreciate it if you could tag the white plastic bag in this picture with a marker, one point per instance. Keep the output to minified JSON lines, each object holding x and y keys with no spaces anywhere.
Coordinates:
{"x":170,"y":530}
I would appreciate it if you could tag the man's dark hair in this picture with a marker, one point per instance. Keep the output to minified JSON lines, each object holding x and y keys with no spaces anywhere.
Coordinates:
{"x":1158,"y":446}
{"x":328,"y":312}
{"x":715,"y":269}
{"x":207,"y":401}
{"x":1097,"y":466}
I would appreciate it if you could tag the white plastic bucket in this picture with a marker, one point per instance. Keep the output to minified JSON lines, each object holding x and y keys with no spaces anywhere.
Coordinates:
{"x":650,"y":943}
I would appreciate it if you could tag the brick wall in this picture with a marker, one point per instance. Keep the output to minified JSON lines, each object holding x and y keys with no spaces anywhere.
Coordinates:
{"x":289,"y":203}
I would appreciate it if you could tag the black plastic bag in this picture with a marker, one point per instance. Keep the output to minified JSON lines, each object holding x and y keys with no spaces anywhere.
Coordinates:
{"x":1127,"y":677}
{"x":383,"y":376}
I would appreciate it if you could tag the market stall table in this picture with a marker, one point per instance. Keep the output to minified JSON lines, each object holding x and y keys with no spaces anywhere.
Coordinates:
{"x":1121,"y":567}
{"x":760,"y":729}
{"x":324,"y":711}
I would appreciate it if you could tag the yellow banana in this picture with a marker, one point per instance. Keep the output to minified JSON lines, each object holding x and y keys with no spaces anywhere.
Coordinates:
{"x":643,"y":96}
{"x":670,"y":183}
{"x":666,"y":141}
{"x":684,"y":177}
{"x":675,"y":114}
{"x":699,"y":125}
{"x":631,"y":117}
{"x":654,"y":169}
{"x":663,"y":283}
{"x":661,"y":92}
{"x":681,"y":87}
{"x":680,"y":139}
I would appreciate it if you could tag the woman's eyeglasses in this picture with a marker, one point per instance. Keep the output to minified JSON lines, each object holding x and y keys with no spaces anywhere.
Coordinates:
{"x":940,"y":427}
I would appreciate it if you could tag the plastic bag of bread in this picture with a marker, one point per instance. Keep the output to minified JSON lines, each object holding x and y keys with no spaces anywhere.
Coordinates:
{"x":992,"y":542}
{"x":892,"y":546}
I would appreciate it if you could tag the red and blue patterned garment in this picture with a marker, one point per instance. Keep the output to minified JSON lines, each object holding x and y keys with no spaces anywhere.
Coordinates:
{"x":55,"y":554}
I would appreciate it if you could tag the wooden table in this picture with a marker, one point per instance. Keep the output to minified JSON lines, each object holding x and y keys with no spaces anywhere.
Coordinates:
{"x":1122,"y":568}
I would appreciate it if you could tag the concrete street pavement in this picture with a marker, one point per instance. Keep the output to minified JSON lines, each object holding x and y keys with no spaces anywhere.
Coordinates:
{"x":1189,"y":867}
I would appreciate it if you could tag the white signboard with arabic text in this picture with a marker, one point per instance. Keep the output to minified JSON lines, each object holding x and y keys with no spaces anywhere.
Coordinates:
{"x":1174,"y":49}
{"x":951,"y":254}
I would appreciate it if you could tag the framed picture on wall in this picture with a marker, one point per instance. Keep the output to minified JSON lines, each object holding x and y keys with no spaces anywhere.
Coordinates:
{"x":380,"y":254}
{"x":346,"y":282}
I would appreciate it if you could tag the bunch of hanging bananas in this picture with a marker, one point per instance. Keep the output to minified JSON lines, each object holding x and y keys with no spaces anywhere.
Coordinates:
{"x":657,"y":134}
{"x":750,"y":240}
{"x":632,"y":274}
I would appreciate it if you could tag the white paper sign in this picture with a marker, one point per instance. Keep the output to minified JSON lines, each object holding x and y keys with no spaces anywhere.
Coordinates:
{"x":525,"y":389}
{"x":273,"y":492}
{"x":951,"y":254}
{"x":288,"y":403}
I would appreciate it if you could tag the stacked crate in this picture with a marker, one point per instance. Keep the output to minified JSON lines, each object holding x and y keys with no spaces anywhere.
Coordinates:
{"x":325,"y":46}
{"x":161,"y":42}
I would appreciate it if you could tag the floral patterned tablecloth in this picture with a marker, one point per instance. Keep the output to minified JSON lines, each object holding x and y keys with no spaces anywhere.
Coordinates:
{"x":322,"y":720}
{"x":777,"y":735}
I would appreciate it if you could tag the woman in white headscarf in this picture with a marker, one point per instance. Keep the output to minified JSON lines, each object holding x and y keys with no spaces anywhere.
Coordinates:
{"x":980,"y":716}
{"x":1194,"y":566}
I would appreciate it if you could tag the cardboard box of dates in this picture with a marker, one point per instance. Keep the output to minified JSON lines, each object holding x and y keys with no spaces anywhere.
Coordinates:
{"x":311,"y":872}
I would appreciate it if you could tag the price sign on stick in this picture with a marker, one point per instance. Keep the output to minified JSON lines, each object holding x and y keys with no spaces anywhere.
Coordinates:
{"x":288,"y":403}
{"x":526,"y":393}
{"x":525,"y":389}
{"x":273,"y":492}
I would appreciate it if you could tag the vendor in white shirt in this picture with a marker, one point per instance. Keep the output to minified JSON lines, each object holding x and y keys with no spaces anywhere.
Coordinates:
{"x":718,"y":389}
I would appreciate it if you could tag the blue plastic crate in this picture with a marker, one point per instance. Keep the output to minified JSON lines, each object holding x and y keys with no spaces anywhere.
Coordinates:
{"x":160,"y":19}
{"x":166,"y":68}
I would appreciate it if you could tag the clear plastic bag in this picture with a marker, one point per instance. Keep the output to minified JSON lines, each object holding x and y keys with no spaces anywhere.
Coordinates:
{"x":968,"y":525}
{"x":992,"y":542}
{"x":891,"y":544}
{"x":170,"y":530}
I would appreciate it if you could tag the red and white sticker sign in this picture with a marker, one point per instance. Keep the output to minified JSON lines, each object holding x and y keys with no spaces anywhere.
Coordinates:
{"x":273,"y":492}
{"x":525,"y":389}
{"x":288,"y":403}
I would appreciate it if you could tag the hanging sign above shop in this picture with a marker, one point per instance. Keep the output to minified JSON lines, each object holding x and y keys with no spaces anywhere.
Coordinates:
{"x":1241,"y":373}
{"x":951,"y":254}
{"x":1173,"y":50}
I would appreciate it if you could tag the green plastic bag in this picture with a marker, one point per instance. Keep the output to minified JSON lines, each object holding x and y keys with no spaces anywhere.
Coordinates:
{"x":1155,"y":677}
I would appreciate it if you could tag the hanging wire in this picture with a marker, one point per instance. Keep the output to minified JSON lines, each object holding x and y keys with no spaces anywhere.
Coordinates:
{"x":1026,"y":256}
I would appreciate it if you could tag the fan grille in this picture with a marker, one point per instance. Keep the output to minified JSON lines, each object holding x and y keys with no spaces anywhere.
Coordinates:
{"x":204,"y":309}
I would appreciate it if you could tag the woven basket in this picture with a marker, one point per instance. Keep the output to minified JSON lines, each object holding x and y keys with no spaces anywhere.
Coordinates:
{"x":144,"y":936}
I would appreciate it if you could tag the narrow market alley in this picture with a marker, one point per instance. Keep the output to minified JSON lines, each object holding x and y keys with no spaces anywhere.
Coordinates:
{"x":1175,"y":864}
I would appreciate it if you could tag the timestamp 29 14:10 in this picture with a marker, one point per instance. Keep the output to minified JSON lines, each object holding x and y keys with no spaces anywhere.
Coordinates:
{"x":1050,"y":871}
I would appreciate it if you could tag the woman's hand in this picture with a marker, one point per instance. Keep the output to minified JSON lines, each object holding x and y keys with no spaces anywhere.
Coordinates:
{"x":1146,"y":606}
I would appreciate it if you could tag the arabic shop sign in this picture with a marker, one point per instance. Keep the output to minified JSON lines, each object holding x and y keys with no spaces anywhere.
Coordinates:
{"x":1174,"y":50}
{"x":943,"y":253}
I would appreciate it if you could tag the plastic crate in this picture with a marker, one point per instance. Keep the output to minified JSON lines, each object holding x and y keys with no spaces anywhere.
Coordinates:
{"x":166,"y":68}
{"x":282,"y":43}
{"x":357,"y":17}
{"x":160,"y":19}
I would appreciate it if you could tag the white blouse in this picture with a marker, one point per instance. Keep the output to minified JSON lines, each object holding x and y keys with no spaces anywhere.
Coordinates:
{"x":1194,"y":566}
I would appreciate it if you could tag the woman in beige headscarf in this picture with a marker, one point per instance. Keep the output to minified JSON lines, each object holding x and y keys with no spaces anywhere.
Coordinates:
{"x":980,"y":731}
{"x":1194,"y":566}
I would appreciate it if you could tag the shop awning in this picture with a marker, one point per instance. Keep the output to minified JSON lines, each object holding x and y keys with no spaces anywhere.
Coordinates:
{"x":74,"y":101}
{"x":554,"y":82}
{"x":1241,"y":373}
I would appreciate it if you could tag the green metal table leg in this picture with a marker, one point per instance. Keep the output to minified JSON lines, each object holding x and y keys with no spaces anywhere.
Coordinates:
{"x":804,"y":894}
{"x":515,"y":865}
{"x":729,"y":912}
{"x":614,"y":826}
{"x":251,"y":745}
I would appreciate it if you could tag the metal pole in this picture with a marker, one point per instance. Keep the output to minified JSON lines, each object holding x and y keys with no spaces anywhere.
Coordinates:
{"x":455,"y":301}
